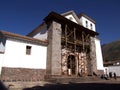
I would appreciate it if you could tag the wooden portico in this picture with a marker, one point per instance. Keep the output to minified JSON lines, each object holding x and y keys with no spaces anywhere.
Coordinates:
{"x":71,"y":48}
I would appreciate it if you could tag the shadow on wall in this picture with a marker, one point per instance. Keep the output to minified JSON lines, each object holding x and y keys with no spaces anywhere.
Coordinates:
{"x":80,"y":86}
{"x":2,"y":86}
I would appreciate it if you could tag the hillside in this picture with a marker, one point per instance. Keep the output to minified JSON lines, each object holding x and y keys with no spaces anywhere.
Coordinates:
{"x":111,"y":51}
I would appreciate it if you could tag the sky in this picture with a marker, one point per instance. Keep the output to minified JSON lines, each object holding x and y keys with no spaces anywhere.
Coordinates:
{"x":22,"y":16}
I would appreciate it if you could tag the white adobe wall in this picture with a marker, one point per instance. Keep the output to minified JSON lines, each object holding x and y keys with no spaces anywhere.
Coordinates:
{"x":97,"y":42}
{"x":99,"y":55}
{"x":113,"y":69}
{"x":83,"y":22}
{"x":15,"y":55}
{"x":2,"y":44}
{"x":42,"y":34}
{"x":2,"y":49}
{"x":1,"y":61}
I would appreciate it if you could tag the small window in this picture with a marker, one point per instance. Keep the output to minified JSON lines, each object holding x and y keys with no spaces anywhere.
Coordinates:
{"x":28,"y":50}
{"x":86,"y":23}
{"x":91,"y":26}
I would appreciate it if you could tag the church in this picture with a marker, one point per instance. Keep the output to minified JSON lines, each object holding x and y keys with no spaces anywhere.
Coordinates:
{"x":64,"y":45}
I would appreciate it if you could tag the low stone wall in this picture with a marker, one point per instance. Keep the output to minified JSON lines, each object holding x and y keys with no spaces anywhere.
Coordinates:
{"x":100,"y":72}
{"x":22,"y":74}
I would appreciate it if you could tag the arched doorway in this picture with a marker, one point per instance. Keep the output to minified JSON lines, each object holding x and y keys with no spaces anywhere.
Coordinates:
{"x":71,"y":65}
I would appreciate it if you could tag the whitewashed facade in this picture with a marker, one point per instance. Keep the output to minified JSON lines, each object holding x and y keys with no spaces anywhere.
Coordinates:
{"x":13,"y":47}
{"x":99,"y":55}
{"x":15,"y":55}
{"x":1,"y":61}
{"x":21,"y":54}
{"x":89,"y":23}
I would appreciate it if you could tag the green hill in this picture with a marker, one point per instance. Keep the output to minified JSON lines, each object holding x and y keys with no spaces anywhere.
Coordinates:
{"x":111,"y":51}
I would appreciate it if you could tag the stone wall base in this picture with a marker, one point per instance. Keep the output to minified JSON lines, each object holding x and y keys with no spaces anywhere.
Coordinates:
{"x":22,"y":74}
{"x":100,"y":72}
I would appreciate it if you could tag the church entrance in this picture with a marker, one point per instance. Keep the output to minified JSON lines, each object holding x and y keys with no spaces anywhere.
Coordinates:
{"x":71,"y":65}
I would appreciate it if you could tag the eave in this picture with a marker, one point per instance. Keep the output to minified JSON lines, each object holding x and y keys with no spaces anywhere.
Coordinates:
{"x":23,"y":38}
{"x":53,"y":16}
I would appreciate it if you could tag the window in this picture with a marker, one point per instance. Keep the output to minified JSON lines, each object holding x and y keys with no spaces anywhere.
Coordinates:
{"x":91,"y":26}
{"x":86,"y":23}
{"x":28,"y":50}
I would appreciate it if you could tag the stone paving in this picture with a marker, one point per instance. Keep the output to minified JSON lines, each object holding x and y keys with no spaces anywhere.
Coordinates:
{"x":82,"y":85}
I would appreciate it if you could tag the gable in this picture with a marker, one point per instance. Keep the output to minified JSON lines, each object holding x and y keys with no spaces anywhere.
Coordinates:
{"x":71,"y":16}
{"x":59,"y":18}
